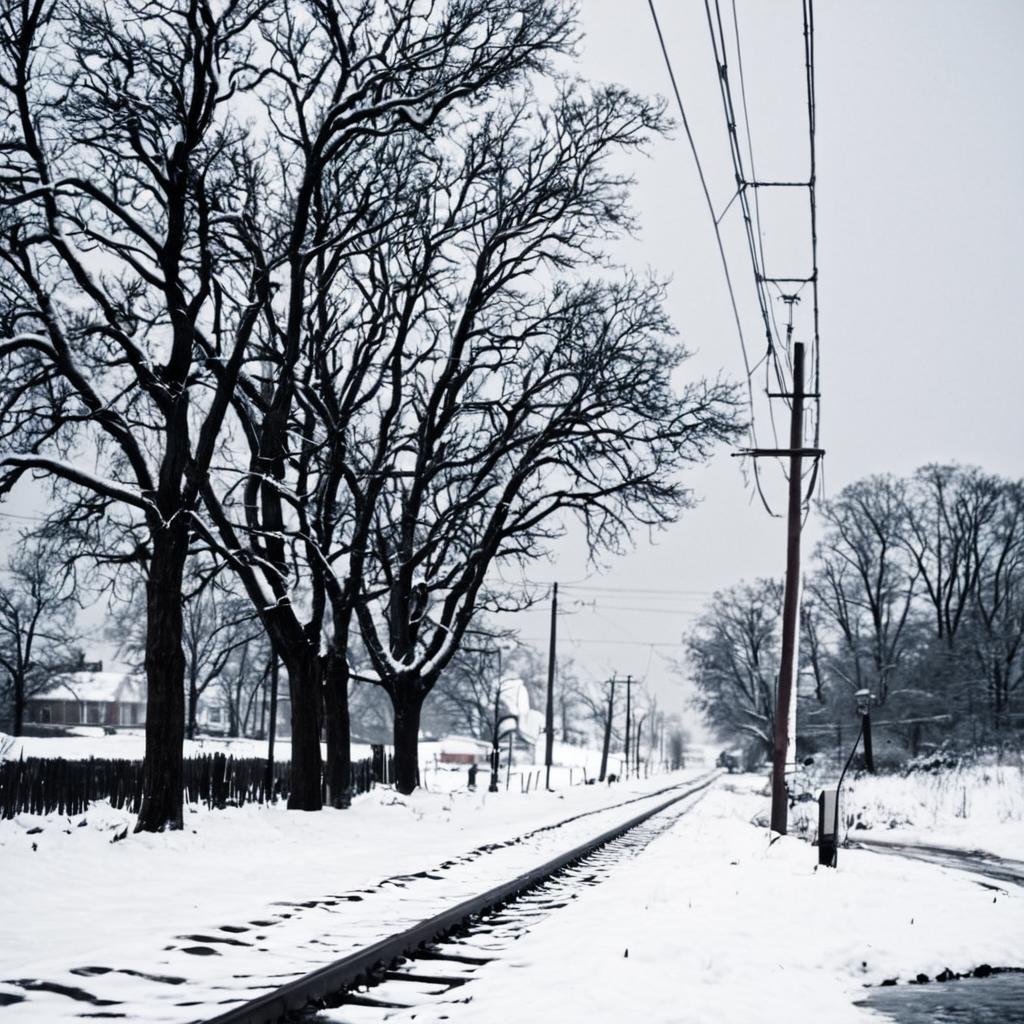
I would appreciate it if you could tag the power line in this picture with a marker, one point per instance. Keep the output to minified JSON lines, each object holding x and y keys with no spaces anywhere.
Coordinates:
{"x":638,"y":590}
{"x":755,"y":245}
{"x":651,"y":611}
{"x":620,"y":643}
{"x":715,"y":220}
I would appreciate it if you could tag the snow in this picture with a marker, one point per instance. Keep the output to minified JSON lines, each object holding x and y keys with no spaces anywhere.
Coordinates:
{"x":97,"y":686}
{"x":711,"y":925}
{"x":720,"y":924}
{"x":74,"y":899}
{"x":971,"y":806}
{"x":130,"y":744}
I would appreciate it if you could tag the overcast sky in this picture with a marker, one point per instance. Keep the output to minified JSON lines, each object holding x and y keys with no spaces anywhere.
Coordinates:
{"x":920,"y":156}
{"x":920,"y":211}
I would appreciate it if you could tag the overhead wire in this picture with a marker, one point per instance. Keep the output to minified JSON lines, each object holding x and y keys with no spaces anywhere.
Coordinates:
{"x":808,"y":19}
{"x":718,"y":238}
{"x":752,"y":220}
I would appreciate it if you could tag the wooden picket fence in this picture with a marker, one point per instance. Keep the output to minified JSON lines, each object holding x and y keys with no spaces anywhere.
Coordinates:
{"x":43,"y":785}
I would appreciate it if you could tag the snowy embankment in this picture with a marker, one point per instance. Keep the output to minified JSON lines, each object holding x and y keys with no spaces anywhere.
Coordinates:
{"x":966,"y":806}
{"x":711,"y":925}
{"x":254,"y":893}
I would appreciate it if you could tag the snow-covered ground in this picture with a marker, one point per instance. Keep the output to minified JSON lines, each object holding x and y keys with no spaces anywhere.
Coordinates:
{"x":130,"y":744}
{"x":711,"y":925}
{"x":719,"y":925}
{"x":970,"y":806}
{"x":254,"y":891}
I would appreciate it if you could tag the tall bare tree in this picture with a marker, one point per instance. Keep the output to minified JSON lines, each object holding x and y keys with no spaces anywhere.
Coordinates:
{"x":733,"y":652}
{"x":865,"y":582}
{"x":133,"y":273}
{"x":518,"y":393}
{"x":344,"y":84}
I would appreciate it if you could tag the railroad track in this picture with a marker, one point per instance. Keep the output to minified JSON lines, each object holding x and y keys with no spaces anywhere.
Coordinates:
{"x":429,"y":961}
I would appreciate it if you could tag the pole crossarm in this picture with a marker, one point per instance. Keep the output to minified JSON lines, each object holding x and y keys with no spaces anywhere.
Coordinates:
{"x":759,"y":453}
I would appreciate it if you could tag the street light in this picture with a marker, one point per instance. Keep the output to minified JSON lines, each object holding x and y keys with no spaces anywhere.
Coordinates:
{"x":863,"y":698}
{"x":828,"y":799}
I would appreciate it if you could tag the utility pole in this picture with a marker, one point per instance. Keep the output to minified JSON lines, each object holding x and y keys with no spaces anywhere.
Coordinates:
{"x":549,"y":712}
{"x":790,"y":600}
{"x":629,"y":724}
{"x":639,"y":733}
{"x":607,"y":732}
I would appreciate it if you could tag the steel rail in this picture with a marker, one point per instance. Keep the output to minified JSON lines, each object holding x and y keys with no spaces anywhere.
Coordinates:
{"x":369,"y":963}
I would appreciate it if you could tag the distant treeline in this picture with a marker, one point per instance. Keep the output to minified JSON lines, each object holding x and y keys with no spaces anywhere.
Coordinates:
{"x":914,"y":592}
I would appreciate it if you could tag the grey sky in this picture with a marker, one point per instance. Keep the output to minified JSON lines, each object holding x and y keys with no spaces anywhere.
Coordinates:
{"x":920,"y":158}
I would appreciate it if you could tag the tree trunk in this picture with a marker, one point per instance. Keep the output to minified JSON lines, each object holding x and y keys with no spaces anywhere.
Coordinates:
{"x":304,"y":688}
{"x":193,"y":700}
{"x":407,"y":733}
{"x":162,"y":773}
{"x":339,"y":741}
{"x":19,"y":704}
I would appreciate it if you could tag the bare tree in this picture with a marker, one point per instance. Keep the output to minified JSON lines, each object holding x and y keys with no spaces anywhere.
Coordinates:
{"x":37,"y":625}
{"x":997,"y":639}
{"x":345,"y":84}
{"x":518,"y":395}
{"x":864,"y":581}
{"x":733,"y":653}
{"x":134,"y":282}
{"x":947,"y":509}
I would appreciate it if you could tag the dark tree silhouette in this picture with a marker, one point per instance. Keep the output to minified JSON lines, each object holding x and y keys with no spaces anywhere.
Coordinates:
{"x":734,"y":654}
{"x":344,"y":85}
{"x":133,"y":282}
{"x":517,"y":393}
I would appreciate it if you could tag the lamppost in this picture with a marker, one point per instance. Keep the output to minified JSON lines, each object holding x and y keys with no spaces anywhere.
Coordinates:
{"x":863,"y":698}
{"x":828,"y":800}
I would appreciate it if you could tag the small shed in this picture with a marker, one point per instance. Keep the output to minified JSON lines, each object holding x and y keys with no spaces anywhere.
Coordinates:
{"x":463,"y":750}
{"x":113,"y":699}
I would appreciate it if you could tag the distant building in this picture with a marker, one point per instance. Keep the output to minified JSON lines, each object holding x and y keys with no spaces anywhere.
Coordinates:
{"x":113,"y":699}
{"x":463,"y":750}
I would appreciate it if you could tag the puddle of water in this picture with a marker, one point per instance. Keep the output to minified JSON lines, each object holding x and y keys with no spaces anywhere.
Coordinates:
{"x":995,"y":1000}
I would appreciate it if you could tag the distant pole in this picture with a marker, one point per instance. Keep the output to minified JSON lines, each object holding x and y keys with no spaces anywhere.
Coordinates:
{"x":791,"y":599}
{"x":629,"y":723}
{"x":639,"y":733}
{"x":272,"y":726}
{"x":607,"y":732}
{"x":549,"y":713}
{"x":508,"y":771}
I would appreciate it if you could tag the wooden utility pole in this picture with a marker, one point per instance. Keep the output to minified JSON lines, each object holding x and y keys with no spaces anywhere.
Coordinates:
{"x":549,"y":712}
{"x":790,"y":600}
{"x":639,"y":733}
{"x":629,"y":726}
{"x":607,"y":732}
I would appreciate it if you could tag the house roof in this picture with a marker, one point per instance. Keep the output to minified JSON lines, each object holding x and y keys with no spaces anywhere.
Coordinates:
{"x":463,"y":745}
{"x":104,"y":687}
